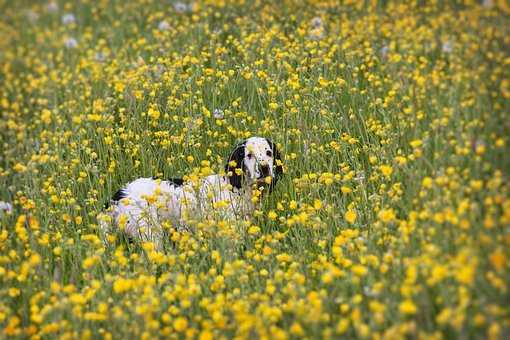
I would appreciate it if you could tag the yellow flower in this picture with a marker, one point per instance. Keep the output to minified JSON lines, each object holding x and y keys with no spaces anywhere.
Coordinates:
{"x":273,"y":106}
{"x":296,"y":329}
{"x":416,"y":143}
{"x":317,"y":204}
{"x":205,"y":335}
{"x":444,"y":316}
{"x":498,"y":259}
{"x":350,"y":216}
{"x":19,"y":167}
{"x":427,"y":182}
{"x":386,"y":170}
{"x":77,"y":299}
{"x":345,"y":190}
{"x":119,"y":87}
{"x":122,"y":285}
{"x":180,"y":324}
{"x":438,"y":273}
{"x":466,"y":274}
{"x":89,"y":262}
{"x":46,"y":116}
{"x":407,"y":307}
{"x":34,"y":223}
{"x":272,"y":215}
{"x":342,"y":326}
{"x":292,"y":205}
{"x":386,"y":215}
{"x":284,"y":257}
{"x":359,"y":270}
{"x":13,"y":292}
{"x":254,"y":230}
{"x":34,"y":260}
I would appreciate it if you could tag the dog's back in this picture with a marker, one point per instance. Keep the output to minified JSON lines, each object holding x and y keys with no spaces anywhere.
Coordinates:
{"x":140,"y":208}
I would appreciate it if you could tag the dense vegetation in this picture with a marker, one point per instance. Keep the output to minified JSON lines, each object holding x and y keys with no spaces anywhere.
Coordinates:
{"x":392,"y":219}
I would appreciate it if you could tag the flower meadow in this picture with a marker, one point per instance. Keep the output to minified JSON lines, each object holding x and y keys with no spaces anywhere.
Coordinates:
{"x":392,"y":219}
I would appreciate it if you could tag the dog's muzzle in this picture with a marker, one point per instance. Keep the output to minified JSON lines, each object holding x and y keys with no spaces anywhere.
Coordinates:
{"x":264,"y":172}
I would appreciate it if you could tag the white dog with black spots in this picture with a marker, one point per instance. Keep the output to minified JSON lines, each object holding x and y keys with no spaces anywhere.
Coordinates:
{"x":141,"y":207}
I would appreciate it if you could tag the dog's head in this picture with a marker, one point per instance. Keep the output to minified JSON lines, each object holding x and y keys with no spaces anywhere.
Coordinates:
{"x":254,"y":161}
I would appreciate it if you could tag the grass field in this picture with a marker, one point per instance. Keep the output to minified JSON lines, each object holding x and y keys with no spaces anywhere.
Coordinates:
{"x":393,"y":217}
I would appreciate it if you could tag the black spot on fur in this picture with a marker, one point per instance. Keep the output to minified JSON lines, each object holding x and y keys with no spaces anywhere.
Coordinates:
{"x":238,"y":156}
{"x":120,"y":194}
{"x":277,"y":161}
{"x":175,"y":181}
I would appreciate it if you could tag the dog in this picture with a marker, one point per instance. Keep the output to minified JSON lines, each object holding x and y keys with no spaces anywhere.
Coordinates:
{"x":141,"y":207}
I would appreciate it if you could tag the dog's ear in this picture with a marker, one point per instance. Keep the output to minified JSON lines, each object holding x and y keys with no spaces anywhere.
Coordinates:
{"x":278,"y":163}
{"x":237,"y":156}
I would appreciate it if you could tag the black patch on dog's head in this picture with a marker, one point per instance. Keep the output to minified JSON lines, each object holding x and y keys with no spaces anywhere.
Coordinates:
{"x":238,"y":156}
{"x":277,"y":164}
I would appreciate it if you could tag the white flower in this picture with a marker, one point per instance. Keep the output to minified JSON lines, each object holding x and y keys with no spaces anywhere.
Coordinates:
{"x":316,"y":22}
{"x":360,"y":176}
{"x":71,"y":43}
{"x":317,"y":29}
{"x":181,"y":7}
{"x":163,"y":25}
{"x":52,"y":7}
{"x":68,"y":19}
{"x":4,"y":206}
{"x":32,"y":16}
{"x":447,"y":47}
{"x":384,"y":51}
{"x":99,"y":56}
{"x":218,"y":114}
{"x":488,"y":3}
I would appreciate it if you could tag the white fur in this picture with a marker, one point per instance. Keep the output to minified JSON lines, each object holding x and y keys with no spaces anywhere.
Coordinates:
{"x":258,"y":147}
{"x":5,"y":206}
{"x":149,"y":203}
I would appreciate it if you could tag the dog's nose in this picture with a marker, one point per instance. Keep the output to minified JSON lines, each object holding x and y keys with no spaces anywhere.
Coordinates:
{"x":264,"y":169}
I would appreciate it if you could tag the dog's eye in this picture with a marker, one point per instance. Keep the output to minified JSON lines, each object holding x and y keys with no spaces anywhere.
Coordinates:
{"x":269,"y":153}
{"x":250,"y":156}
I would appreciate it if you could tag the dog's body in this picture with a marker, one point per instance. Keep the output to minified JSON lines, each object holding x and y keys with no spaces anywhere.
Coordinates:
{"x":145,"y":204}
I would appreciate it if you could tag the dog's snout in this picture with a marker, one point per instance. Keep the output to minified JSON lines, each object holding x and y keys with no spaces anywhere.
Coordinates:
{"x":264,"y":169}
